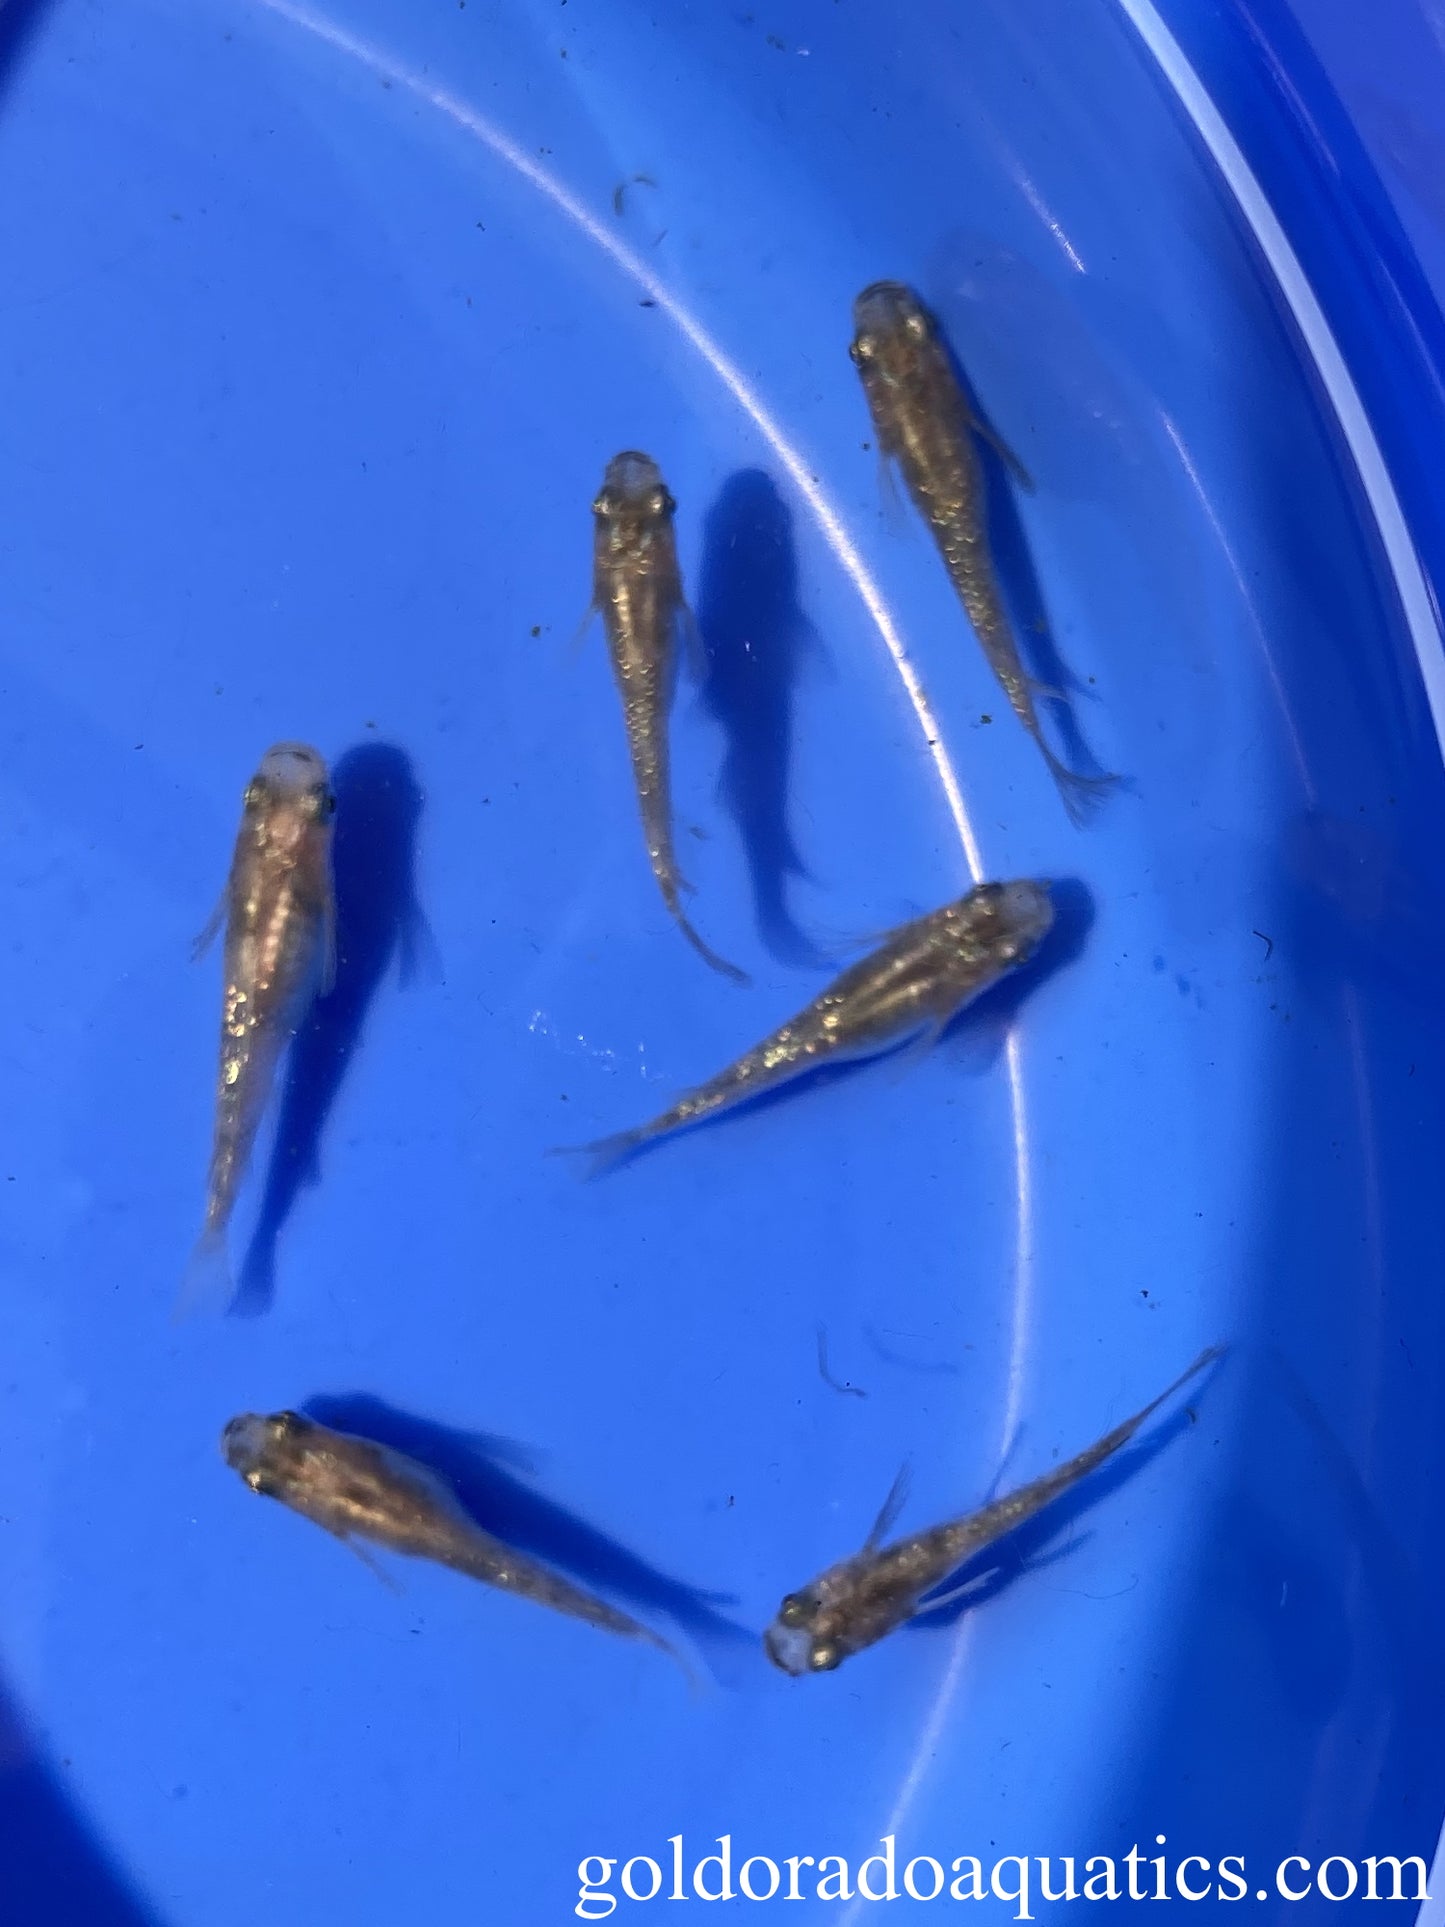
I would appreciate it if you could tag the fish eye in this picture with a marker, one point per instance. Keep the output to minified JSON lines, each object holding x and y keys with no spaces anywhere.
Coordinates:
{"x":603,"y":504}
{"x":255,"y":795}
{"x":860,"y":350}
{"x":661,"y":502}
{"x":285,"y":1422}
{"x":323,"y":803}
{"x":261,"y":1482}
{"x":825,"y":1655}
{"x":794,"y":1610}
{"x":916,"y":325}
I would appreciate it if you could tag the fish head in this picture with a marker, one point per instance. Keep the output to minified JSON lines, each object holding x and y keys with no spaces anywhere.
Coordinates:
{"x":889,"y":321}
{"x":632,"y":504}
{"x":261,"y":1447}
{"x":1005,"y":922}
{"x":293,"y":779}
{"x":810,"y":1632}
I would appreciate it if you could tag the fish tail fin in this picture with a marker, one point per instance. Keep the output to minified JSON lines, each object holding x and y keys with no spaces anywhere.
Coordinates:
{"x":679,"y":1657}
{"x":673,"y":885}
{"x":603,"y":1154}
{"x":1081,"y":795}
{"x":207,"y":1285}
{"x":1122,"y":1433}
{"x":707,"y":953}
{"x":1209,"y":1356}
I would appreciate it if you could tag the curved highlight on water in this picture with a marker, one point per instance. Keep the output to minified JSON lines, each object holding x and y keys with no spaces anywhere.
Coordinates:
{"x":830,"y":525}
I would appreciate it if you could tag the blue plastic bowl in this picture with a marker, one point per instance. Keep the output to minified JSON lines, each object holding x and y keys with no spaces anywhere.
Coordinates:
{"x":317,"y":328}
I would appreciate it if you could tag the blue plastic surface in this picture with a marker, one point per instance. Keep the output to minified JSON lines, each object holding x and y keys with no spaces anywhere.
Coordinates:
{"x":316,"y":331}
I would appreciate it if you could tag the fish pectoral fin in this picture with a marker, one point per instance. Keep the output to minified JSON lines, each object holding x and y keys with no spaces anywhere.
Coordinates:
{"x":699,"y":662}
{"x":326,"y":976}
{"x":211,"y":929}
{"x":418,"y":955}
{"x":912,"y":1054}
{"x":371,"y":1562}
{"x":1047,"y":692}
{"x":888,"y":1512}
{"x":935,"y":1602}
{"x":890,"y":494}
{"x":579,"y":634}
{"x":1005,"y":454}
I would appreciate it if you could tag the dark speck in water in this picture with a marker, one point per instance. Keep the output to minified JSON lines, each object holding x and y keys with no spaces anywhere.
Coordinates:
{"x":536,"y":628}
{"x":985,"y":719}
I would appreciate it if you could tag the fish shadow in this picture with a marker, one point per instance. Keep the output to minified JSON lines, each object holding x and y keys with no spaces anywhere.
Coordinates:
{"x":1018,"y":578}
{"x":755,"y":640}
{"x":19,"y":22}
{"x":378,"y":923}
{"x":511,"y":1509}
{"x":52,"y":1869}
{"x":1023,"y":1551}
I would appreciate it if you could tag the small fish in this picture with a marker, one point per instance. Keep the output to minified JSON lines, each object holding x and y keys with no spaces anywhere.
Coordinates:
{"x":863,"y":1599}
{"x":922,"y":421}
{"x":912,"y":986}
{"x":358,"y":1489}
{"x":279,"y":916}
{"x":637,"y":589}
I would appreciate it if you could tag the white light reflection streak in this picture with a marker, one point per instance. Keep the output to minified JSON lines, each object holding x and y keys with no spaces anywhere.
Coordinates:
{"x":1050,"y":220}
{"x":830,"y":525}
{"x":1226,"y":549}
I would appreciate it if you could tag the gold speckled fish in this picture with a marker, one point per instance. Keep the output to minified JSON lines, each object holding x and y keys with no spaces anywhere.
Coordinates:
{"x":637,"y":589}
{"x":279,"y":917}
{"x":861,"y":1600}
{"x":912,"y":986}
{"x":922,"y":421}
{"x":358,"y":1489}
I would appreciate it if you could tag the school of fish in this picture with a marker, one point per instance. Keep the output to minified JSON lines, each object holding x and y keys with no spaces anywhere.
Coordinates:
{"x":278,"y":921}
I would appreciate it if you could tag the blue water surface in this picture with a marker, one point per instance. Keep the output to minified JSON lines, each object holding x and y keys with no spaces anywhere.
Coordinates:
{"x":317,"y":328}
